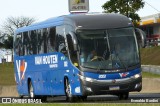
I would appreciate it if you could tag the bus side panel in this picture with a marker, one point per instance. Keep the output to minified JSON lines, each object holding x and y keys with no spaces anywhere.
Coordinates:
{"x":47,"y":73}
{"x":57,"y":82}
{"x":20,"y":80}
{"x":76,"y":86}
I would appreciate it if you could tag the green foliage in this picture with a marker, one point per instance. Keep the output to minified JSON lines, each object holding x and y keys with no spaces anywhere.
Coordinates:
{"x":8,"y":43}
{"x":125,"y":7}
{"x":1,"y":45}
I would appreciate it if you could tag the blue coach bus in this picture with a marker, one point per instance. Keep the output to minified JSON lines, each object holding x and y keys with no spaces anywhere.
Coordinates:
{"x":78,"y":55}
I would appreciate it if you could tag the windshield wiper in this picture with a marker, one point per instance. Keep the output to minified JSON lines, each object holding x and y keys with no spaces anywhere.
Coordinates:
{"x":88,"y":67}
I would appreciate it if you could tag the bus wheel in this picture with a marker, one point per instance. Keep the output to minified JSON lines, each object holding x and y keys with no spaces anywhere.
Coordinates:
{"x":31,"y":90}
{"x":123,"y":96}
{"x":21,"y":96}
{"x":68,"y":91}
{"x":44,"y":98}
{"x":84,"y":98}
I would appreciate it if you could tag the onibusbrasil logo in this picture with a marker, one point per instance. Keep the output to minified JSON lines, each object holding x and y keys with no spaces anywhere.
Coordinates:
{"x":21,"y":68}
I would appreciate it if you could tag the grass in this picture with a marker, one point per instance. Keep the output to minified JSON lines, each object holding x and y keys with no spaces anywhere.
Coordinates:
{"x":150,"y":56}
{"x":7,"y":74}
{"x":150,"y":75}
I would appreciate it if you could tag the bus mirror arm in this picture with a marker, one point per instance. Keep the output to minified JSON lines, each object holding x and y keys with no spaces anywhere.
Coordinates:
{"x":74,"y":40}
{"x":141,"y":37}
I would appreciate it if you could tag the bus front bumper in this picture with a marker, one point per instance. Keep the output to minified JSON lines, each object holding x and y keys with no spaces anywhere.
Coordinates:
{"x":116,"y":86}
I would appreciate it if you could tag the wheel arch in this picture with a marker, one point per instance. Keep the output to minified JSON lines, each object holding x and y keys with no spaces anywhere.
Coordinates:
{"x":28,"y":82}
{"x":65,"y":78}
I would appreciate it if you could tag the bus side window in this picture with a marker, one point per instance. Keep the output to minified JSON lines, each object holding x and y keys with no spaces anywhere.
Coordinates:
{"x":51,"y":39}
{"x":40,"y":42}
{"x":61,"y":44}
{"x":33,"y":42}
{"x":45,"y":34}
{"x":25,"y":43}
{"x":30,"y":47}
{"x":60,"y":41}
{"x":21,"y":53}
{"x":18,"y":44}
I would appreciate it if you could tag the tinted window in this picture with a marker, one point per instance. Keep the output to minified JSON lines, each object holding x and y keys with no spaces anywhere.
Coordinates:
{"x":39,"y":42}
{"x":25,"y":43}
{"x":45,"y":41}
{"x":33,"y":42}
{"x":18,"y":44}
{"x":51,"y":39}
{"x":60,"y":40}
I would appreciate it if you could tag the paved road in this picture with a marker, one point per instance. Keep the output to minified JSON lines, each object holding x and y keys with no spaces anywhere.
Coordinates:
{"x":133,"y":98}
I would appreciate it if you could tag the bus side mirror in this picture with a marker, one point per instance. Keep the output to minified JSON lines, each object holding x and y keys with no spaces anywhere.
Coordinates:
{"x":74,"y":40}
{"x":63,"y":50}
{"x":141,"y":37}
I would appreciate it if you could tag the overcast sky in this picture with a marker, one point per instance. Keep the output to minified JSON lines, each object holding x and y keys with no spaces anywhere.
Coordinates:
{"x":43,"y":9}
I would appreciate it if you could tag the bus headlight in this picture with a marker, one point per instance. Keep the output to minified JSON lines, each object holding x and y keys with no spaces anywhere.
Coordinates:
{"x":137,"y":75}
{"x":89,"y":79}
{"x":86,"y":78}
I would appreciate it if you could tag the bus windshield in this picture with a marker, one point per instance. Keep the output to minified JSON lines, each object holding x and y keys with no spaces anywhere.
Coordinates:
{"x":108,"y":49}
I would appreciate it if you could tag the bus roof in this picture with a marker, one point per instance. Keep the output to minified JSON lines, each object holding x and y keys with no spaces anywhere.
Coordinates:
{"x":83,"y":21}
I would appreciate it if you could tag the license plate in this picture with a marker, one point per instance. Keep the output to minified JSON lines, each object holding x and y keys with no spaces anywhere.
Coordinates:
{"x":114,"y":88}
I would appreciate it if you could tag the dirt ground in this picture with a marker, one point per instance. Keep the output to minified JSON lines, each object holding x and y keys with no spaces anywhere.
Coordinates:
{"x":8,"y":91}
{"x":149,"y":85}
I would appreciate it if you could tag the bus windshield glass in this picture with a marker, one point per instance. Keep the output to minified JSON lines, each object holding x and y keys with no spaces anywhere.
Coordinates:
{"x":108,"y":49}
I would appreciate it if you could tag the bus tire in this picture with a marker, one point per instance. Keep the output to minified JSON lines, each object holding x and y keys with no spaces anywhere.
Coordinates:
{"x":31,"y":90}
{"x":44,"y":99}
{"x":123,"y":96}
{"x":69,"y":96}
{"x":21,"y":96}
{"x":84,"y":98}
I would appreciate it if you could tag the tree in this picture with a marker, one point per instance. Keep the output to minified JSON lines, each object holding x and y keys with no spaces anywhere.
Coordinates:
{"x":8,"y":43}
{"x":125,"y":7}
{"x":1,"y":44}
{"x":12,"y":23}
